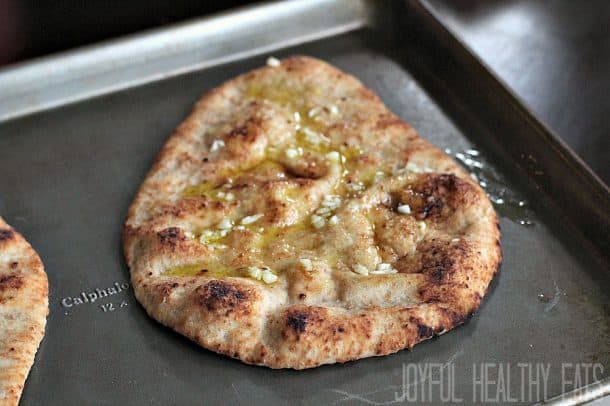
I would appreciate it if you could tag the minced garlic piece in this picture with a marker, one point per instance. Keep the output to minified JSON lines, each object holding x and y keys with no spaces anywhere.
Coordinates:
{"x":216,"y":145}
{"x":273,"y":62}
{"x":334,"y":156}
{"x":292,"y":153}
{"x":331,"y":201}
{"x":384,"y":269}
{"x":360,"y":269}
{"x":356,"y":186}
{"x":225,"y":224}
{"x":251,"y":219}
{"x":323,"y":211}
{"x":208,"y":237}
{"x":313,"y":112}
{"x":314,"y":138}
{"x":307,"y":264}
{"x":404,"y":209}
{"x":317,"y":221}
{"x":328,"y":204}
{"x":268,"y":276}
{"x":263,"y":274}
{"x":229,"y":196}
{"x":255,"y":272}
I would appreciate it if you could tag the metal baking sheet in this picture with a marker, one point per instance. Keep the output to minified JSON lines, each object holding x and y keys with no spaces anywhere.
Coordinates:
{"x":68,"y":174}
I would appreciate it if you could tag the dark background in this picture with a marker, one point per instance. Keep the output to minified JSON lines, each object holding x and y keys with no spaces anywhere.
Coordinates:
{"x":555,"y":54}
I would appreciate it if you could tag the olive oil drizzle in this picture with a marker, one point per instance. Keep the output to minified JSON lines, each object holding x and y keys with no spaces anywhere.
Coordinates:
{"x":310,"y":126}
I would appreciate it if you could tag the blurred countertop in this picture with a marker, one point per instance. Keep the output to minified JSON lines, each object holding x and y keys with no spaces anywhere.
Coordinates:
{"x":554,"y":54}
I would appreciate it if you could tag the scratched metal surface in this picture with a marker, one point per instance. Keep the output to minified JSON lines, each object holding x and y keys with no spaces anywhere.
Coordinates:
{"x":68,"y":175}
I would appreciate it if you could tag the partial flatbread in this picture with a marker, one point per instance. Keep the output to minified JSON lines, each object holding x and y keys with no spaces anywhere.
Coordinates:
{"x":24,"y":307}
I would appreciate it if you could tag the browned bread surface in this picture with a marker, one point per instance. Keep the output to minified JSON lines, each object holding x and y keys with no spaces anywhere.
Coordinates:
{"x":292,"y":220}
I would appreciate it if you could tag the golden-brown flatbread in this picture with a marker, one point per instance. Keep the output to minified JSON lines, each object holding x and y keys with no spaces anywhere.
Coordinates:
{"x":292,"y":220}
{"x":24,"y":305}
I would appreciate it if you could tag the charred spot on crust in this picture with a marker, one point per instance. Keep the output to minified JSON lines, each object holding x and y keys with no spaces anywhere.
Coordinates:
{"x":218,"y":294}
{"x":439,"y":329}
{"x":366,"y":94}
{"x":438,"y":185}
{"x":423,"y":331}
{"x":433,"y":205}
{"x":171,"y":235}
{"x":310,"y":322}
{"x":436,"y":196}
{"x":457,"y":318}
{"x":247,"y":132}
{"x":437,"y":263}
{"x":239,"y":131}
{"x":10,"y":282}
{"x":448,"y":268}
{"x":6,"y":234}
{"x":165,"y":289}
{"x":439,"y":260}
{"x":220,"y":290}
{"x":14,"y":265}
{"x":297,"y":320}
{"x":305,"y":170}
{"x":462,"y":318}
{"x":435,"y":190}
{"x":389,"y":120}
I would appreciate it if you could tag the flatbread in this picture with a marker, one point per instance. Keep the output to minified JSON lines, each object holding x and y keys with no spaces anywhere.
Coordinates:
{"x":24,"y":306}
{"x":292,"y":220}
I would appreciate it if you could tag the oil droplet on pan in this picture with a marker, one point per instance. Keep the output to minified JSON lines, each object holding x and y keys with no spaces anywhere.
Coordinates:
{"x":507,"y":202}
